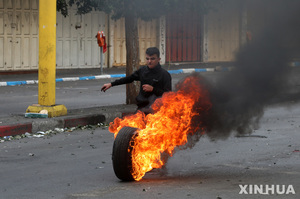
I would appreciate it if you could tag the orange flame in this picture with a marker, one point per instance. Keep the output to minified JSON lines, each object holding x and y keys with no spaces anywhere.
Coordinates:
{"x":167,"y":128}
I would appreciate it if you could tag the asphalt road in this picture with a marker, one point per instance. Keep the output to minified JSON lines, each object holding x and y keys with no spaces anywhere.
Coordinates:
{"x":74,"y":95}
{"x":84,"y":94}
{"x":77,"y":165}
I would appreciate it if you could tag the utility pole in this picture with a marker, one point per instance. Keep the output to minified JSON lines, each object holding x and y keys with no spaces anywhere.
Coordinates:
{"x":47,"y":62}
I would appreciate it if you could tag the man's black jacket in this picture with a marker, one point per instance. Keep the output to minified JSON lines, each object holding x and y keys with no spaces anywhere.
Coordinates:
{"x":157,"y":77}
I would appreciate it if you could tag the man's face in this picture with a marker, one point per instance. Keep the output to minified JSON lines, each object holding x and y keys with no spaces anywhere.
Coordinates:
{"x":152,"y":60}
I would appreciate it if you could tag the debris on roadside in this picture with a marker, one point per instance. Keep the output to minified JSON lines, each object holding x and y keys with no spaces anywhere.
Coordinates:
{"x":36,"y":115}
{"x":41,"y":134}
{"x":254,"y":136}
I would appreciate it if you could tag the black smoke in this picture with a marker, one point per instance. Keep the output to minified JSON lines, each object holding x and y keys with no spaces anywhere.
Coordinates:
{"x":260,"y":76}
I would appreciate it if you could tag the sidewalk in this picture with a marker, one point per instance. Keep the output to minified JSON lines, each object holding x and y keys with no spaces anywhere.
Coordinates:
{"x":18,"y":124}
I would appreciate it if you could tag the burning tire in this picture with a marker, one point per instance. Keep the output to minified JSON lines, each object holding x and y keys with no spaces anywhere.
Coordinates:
{"x":121,"y":155}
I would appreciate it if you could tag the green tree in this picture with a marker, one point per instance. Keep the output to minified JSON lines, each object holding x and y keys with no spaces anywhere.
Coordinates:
{"x":131,"y":10}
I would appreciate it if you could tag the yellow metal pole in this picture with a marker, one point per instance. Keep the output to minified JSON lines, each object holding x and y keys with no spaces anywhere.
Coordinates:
{"x":47,"y":62}
{"x":47,"y":52}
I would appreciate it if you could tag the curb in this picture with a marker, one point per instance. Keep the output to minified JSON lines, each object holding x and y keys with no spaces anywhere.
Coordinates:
{"x":48,"y":124}
{"x":15,"y":129}
{"x":26,"y":82}
{"x":18,"y":124}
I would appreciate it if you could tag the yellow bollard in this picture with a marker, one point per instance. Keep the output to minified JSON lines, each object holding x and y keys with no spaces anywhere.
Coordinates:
{"x":47,"y":61}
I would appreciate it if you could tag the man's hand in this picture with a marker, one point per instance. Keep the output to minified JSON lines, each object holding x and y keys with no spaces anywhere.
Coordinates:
{"x":106,"y":86}
{"x":147,"y":88}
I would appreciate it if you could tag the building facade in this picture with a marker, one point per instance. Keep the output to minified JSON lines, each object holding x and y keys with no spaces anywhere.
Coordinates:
{"x":193,"y":37}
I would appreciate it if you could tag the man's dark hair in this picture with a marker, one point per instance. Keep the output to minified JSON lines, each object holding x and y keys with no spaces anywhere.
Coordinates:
{"x":152,"y":51}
